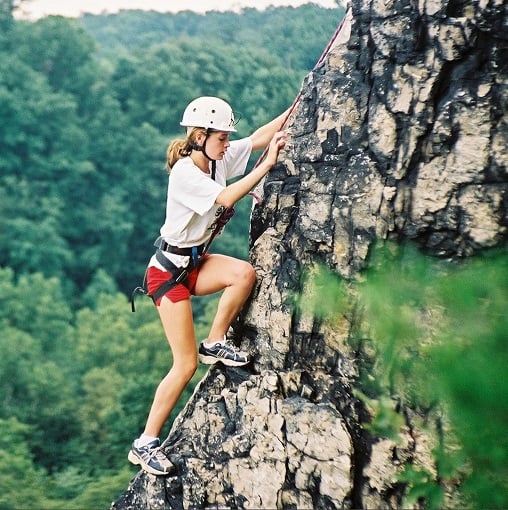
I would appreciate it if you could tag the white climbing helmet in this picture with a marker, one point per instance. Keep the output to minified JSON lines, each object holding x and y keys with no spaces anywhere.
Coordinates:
{"x":210,"y":113}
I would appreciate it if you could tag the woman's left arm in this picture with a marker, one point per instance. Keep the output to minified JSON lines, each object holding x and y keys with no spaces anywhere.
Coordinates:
{"x":262,"y":136}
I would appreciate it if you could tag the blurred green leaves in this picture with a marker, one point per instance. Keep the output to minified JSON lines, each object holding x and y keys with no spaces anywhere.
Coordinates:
{"x":434,"y":340}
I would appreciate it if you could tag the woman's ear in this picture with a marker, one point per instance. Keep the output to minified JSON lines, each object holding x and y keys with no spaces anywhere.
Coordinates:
{"x":199,"y":138}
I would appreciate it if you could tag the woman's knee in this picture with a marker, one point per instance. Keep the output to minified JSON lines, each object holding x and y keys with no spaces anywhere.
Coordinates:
{"x":246,"y":274}
{"x":185,"y":368}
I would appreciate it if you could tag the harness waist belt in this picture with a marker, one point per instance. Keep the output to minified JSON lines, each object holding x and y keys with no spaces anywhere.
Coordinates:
{"x":187,"y":252}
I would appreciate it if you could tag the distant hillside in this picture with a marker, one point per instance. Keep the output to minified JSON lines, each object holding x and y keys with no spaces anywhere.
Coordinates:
{"x":295,"y":35}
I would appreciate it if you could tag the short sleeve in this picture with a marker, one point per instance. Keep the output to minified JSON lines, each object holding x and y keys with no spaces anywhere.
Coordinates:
{"x":194,"y":189}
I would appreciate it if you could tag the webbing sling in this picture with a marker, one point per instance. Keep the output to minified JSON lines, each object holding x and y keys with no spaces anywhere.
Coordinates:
{"x":178,"y":275}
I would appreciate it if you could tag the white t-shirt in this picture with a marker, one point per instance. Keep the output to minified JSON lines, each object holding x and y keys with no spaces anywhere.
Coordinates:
{"x":191,"y":208}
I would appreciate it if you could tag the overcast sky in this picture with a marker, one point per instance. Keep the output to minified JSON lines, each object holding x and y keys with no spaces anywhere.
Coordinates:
{"x":34,"y":9}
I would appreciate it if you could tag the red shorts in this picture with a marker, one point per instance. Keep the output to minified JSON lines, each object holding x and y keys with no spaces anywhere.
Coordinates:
{"x":155,"y":277}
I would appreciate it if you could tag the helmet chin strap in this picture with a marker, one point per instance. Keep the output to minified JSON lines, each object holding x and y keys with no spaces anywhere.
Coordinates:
{"x":202,"y":148}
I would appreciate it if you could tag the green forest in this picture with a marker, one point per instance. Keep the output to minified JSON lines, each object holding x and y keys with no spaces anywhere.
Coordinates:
{"x":87,"y":109}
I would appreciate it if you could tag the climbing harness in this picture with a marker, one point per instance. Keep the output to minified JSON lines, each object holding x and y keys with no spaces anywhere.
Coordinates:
{"x":180,"y":274}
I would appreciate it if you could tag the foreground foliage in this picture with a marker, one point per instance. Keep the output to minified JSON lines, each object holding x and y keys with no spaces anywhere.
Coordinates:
{"x":435,"y":334}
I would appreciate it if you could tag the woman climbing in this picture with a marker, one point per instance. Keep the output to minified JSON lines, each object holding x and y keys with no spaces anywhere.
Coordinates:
{"x":200,"y":167}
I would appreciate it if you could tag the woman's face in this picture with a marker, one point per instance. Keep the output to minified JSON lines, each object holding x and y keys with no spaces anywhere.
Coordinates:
{"x":217,"y":144}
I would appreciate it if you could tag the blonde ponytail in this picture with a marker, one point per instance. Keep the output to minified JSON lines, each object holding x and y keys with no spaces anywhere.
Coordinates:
{"x":180,"y":148}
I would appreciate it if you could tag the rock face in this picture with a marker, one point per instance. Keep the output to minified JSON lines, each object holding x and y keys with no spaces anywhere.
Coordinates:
{"x":400,"y":134}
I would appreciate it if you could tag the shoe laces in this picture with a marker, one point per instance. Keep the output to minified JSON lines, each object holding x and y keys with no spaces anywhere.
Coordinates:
{"x":229,"y":345}
{"x":235,"y":351}
{"x":158,"y":455}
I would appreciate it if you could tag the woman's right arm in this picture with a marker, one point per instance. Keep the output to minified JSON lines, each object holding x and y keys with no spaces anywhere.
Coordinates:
{"x":234,"y":192}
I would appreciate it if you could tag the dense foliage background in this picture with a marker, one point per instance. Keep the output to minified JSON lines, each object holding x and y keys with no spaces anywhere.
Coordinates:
{"x":87,"y":108}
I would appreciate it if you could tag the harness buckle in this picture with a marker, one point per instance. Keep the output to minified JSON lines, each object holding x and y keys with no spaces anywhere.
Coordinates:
{"x":182,"y":276}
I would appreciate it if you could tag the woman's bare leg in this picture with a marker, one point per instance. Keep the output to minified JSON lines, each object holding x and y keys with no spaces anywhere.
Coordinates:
{"x":236,"y":277}
{"x":178,"y":325}
{"x":218,"y":272}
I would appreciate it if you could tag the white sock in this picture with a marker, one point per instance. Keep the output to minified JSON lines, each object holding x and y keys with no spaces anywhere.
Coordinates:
{"x":143,"y":440}
{"x":211,"y":344}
